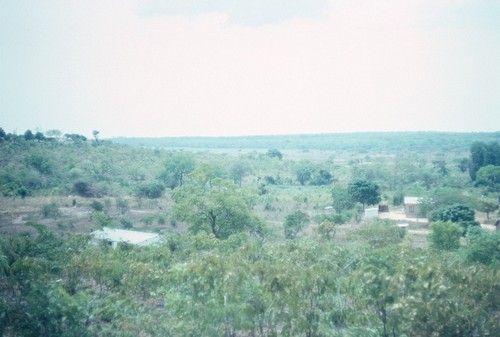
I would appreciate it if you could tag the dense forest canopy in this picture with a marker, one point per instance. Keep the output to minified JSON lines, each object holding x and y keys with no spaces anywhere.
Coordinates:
{"x":273,"y":240}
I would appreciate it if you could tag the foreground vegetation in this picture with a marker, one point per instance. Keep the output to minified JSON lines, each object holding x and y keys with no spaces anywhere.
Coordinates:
{"x":254,"y":243}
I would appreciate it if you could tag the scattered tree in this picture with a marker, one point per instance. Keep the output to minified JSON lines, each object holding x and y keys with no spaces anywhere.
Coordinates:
{"x":460,"y":214}
{"x":274,"y":153}
{"x":175,"y":170}
{"x":220,"y":209}
{"x":294,"y":223}
{"x":364,"y":192}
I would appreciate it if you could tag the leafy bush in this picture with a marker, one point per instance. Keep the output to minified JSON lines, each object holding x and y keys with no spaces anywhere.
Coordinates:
{"x":50,"y":210}
{"x":457,"y":213}
{"x":294,"y":223}
{"x":378,"y":234}
{"x":126,"y":223}
{"x":484,"y":248}
{"x":151,"y":191}
{"x":445,"y":235}
{"x":97,"y":206}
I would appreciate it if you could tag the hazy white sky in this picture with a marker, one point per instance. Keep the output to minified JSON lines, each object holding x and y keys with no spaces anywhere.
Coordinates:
{"x":247,"y":67}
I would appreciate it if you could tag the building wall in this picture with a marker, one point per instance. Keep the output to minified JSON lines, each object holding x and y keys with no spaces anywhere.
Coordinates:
{"x":412,"y":210}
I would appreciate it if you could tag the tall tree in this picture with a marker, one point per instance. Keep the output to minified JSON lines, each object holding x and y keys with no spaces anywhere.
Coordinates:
{"x":294,"y":223}
{"x":238,"y":171}
{"x":483,"y":154}
{"x":274,"y":153}
{"x":176,"y":168}
{"x":364,"y":192}
{"x":220,"y":209}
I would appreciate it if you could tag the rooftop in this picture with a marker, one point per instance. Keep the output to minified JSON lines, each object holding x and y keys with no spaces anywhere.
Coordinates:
{"x":413,"y":200}
{"x":122,"y":235}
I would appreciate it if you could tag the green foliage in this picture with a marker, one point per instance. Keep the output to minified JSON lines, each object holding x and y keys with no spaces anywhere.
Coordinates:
{"x":483,"y":154}
{"x":457,"y":213}
{"x":122,"y":205}
{"x":398,"y":198}
{"x":378,"y":234}
{"x":489,"y":177}
{"x":219,"y":209}
{"x":84,"y":189}
{"x":445,"y":235}
{"x":364,"y":192}
{"x":238,"y":171}
{"x":35,"y":301}
{"x":327,"y":229}
{"x":50,"y":210}
{"x":97,"y":206}
{"x":176,"y":167}
{"x":126,"y":223}
{"x":484,"y":247}
{"x":274,"y":153}
{"x":103,"y":220}
{"x":304,"y":175}
{"x":39,"y":162}
{"x":488,"y":206}
{"x":294,"y":223}
{"x":342,"y":199}
{"x":151,"y":190}
{"x":369,"y":281}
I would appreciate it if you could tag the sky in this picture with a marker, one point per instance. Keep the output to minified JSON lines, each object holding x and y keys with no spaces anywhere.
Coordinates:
{"x":154,"y":68}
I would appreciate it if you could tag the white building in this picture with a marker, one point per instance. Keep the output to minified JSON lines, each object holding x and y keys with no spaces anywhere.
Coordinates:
{"x":113,"y":236}
{"x":371,"y":213}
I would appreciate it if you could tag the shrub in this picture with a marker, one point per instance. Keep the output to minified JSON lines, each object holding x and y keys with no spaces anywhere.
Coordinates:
{"x":445,"y":235}
{"x":457,"y":213}
{"x":97,"y":206}
{"x":484,"y":247}
{"x":50,"y":210}
{"x":294,"y":223}
{"x":122,"y":205}
{"x":151,"y":191}
{"x":126,"y":223}
{"x":379,"y":234}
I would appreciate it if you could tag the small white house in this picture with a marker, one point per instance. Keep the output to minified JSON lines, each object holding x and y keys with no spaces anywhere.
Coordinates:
{"x":114,"y":236}
{"x":371,"y":213}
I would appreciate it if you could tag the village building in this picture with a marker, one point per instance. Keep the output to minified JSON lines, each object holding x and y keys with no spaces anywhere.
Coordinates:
{"x":371,"y":213}
{"x":113,"y":237}
{"x":412,"y":206}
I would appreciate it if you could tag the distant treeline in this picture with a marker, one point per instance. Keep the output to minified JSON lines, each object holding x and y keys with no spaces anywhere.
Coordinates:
{"x":362,"y":141}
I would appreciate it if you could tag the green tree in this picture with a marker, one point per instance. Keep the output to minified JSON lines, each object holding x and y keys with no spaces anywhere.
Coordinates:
{"x":460,"y":214}
{"x":220,"y":209}
{"x":28,"y":135}
{"x":304,"y":175}
{"x":294,"y":223}
{"x":445,"y":235}
{"x":321,"y":178}
{"x":176,"y":168}
{"x":95,"y":133}
{"x":487,"y":206}
{"x":39,"y":162}
{"x":342,"y":199}
{"x":484,"y":248}
{"x":483,"y":154}
{"x":3,"y":135}
{"x":364,"y":192}
{"x":489,"y":176}
{"x":238,"y":171}
{"x":152,"y":190}
{"x":274,"y":153}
